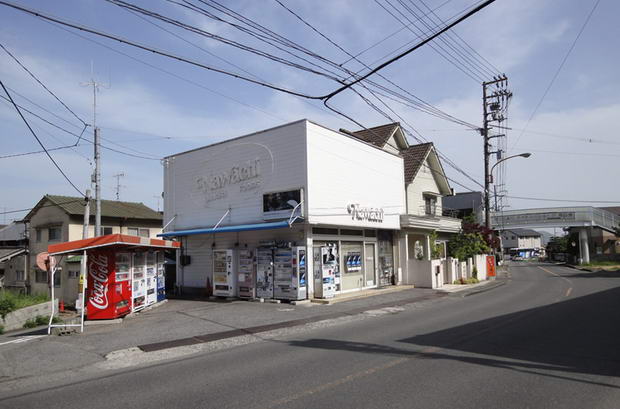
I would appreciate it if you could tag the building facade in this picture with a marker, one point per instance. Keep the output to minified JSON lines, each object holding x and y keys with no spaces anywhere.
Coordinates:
{"x":522,"y":242}
{"x":56,"y":219}
{"x":304,"y":185}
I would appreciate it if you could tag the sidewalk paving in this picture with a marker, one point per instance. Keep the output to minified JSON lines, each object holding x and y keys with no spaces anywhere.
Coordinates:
{"x":178,"y":321}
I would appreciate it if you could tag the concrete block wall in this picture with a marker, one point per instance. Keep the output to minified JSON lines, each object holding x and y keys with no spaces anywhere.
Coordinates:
{"x":16,"y":319}
{"x":480,"y":261}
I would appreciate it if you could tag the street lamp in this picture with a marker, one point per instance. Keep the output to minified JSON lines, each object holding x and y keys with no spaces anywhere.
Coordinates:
{"x":489,"y":180}
{"x":523,"y":155}
{"x":487,"y":211}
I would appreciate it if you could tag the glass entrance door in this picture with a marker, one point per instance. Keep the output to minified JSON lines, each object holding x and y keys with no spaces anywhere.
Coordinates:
{"x":369,"y":265}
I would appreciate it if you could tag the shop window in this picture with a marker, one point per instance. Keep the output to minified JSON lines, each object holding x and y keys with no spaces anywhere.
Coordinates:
{"x":106,"y":230}
{"x":370,"y":233}
{"x":53,"y":233}
{"x":40,"y":276}
{"x":350,"y":232}
{"x":324,"y":230}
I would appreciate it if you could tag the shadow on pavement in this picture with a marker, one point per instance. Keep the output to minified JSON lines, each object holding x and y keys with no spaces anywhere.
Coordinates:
{"x":576,"y":336}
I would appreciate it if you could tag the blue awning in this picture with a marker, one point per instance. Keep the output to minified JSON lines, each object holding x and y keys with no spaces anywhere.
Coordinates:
{"x":228,"y":229}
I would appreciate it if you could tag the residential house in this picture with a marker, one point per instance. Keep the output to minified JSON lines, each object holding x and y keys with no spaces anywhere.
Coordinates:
{"x":57,"y":219}
{"x":522,"y":242}
{"x":426,"y":186}
{"x":13,"y":256}
{"x":465,"y":204}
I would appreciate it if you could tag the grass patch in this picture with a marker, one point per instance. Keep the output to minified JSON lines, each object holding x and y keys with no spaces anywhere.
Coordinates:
{"x":472,"y":280}
{"x":40,"y":320}
{"x":601,"y":264}
{"x":11,"y":301}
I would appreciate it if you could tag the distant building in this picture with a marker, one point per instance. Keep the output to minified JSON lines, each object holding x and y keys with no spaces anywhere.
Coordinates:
{"x":13,"y":255}
{"x":56,"y":219}
{"x":464,"y":204}
{"x":522,"y":242}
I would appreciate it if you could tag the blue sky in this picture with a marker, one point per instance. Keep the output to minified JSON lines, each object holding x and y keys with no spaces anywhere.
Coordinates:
{"x":145,"y":111}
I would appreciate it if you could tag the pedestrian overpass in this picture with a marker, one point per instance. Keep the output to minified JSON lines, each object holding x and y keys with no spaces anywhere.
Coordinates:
{"x":581,"y":217}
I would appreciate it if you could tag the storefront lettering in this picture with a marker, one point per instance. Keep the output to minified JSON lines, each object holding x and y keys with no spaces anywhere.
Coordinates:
{"x":247,"y":176}
{"x":237,"y":174}
{"x":371,"y":214}
{"x":98,"y":270}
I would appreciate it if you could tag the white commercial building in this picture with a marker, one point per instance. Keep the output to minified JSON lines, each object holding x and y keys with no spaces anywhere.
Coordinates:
{"x":302,"y":186}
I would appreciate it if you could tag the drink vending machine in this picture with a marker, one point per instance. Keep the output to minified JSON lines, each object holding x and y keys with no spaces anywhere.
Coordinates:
{"x":245,"y":267}
{"x":151,"y":278}
{"x":224,"y":277}
{"x":161,"y":277}
{"x":325,"y":269}
{"x":264,"y":272}
{"x":290,"y":273}
{"x":139,"y":281}
{"x":109,"y":285}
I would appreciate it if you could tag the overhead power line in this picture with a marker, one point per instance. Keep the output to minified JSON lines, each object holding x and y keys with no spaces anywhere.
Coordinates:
{"x":41,"y":84}
{"x":557,"y":72}
{"x":38,"y":140}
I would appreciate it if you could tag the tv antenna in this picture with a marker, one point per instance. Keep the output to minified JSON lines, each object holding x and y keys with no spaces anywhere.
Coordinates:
{"x":96,"y":176}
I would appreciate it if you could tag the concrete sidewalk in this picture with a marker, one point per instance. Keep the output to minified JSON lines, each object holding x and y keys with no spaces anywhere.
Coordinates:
{"x":27,"y":353}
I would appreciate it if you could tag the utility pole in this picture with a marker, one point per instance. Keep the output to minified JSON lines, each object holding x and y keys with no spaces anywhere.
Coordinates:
{"x":494,"y":106}
{"x":96,"y":176}
{"x":118,"y":177}
{"x":86,"y":215}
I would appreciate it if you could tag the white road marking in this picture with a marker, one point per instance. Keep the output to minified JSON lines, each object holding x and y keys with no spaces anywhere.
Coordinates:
{"x":22,"y":339}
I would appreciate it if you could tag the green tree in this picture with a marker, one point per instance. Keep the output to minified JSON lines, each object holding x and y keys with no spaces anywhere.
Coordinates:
{"x":465,"y":245}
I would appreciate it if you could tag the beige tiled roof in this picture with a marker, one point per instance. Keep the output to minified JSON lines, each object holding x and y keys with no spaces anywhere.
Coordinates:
{"x":109,"y":208}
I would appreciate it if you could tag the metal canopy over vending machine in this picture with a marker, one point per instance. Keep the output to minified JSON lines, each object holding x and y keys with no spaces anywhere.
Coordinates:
{"x":116,"y":267}
{"x":245,"y":268}
{"x":224,"y":277}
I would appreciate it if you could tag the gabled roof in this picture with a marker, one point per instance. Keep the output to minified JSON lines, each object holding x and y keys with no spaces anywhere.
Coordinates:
{"x":414,"y":157}
{"x":379,"y":135}
{"x":74,"y":206}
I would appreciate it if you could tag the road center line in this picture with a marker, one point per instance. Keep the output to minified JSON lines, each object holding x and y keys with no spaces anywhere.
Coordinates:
{"x":570,"y":283}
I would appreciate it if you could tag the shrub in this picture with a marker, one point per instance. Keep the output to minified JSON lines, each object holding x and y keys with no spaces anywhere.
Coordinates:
{"x":7,"y":305}
{"x":1,"y":329}
{"x":474,"y":272}
{"x":40,"y":320}
{"x":31,"y":323}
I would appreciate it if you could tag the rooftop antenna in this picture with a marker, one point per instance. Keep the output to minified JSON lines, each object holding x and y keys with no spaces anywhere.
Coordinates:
{"x":158,"y":199}
{"x":96,"y":176}
{"x":118,"y":177}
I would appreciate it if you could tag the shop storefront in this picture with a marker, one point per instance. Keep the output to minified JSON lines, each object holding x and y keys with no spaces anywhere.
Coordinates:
{"x":291,"y":212}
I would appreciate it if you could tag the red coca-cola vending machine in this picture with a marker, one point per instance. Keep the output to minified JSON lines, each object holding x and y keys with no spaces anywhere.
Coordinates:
{"x":109,"y":284}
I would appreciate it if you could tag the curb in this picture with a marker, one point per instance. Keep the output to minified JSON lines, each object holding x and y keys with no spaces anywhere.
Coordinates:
{"x":486,"y":288}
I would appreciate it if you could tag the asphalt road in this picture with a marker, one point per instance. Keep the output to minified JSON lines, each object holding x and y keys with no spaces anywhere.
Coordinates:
{"x":549,"y":338}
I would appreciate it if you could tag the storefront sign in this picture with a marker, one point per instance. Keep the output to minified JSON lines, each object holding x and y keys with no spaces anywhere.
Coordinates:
{"x":246,"y":175}
{"x":370,"y":214}
{"x":98,"y":271}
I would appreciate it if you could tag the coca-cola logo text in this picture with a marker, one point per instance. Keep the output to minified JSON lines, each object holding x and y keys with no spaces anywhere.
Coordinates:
{"x":98,"y":271}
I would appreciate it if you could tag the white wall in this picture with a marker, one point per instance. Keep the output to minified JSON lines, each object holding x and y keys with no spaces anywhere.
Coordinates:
{"x":281,"y":162}
{"x":343,"y":170}
{"x":423,"y":182}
